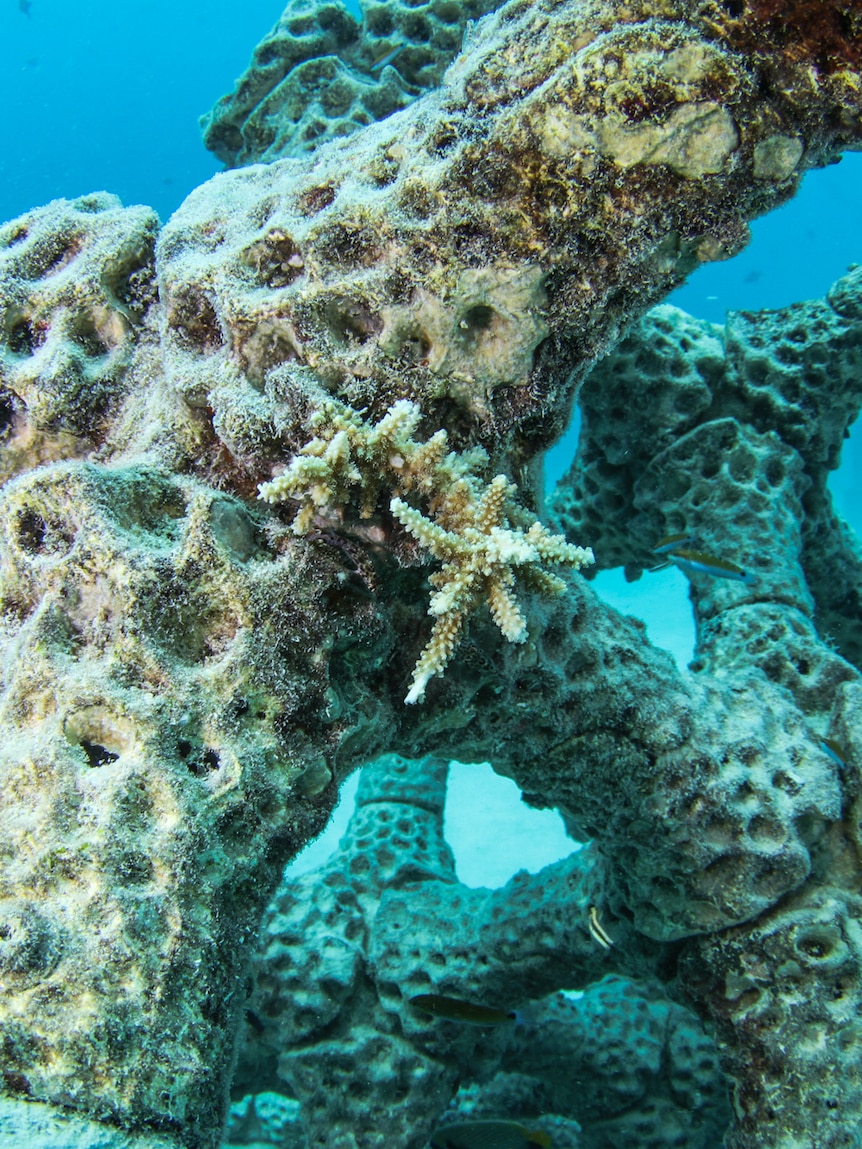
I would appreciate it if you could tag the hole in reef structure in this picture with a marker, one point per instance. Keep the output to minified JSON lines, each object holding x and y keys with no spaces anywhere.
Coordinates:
{"x":200,"y":760}
{"x":351,"y":321}
{"x":11,"y":408}
{"x":98,"y":755}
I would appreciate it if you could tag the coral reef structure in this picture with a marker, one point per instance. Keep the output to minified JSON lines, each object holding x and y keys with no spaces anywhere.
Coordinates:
{"x":320,"y":74}
{"x":76,"y":284}
{"x":736,"y":453}
{"x":186,"y":680}
{"x":472,"y":528}
{"x":344,"y":949}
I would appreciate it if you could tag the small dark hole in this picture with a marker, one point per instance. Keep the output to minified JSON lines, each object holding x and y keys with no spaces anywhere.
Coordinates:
{"x":8,"y":407}
{"x":85,"y":336}
{"x":16,"y":1082}
{"x":32,"y":530}
{"x":478,"y":318}
{"x":205,"y":763}
{"x":98,"y":755}
{"x":415,"y":348}
{"x":316,"y":199}
{"x":24,"y":338}
{"x":352,"y":322}
{"x":184,"y":748}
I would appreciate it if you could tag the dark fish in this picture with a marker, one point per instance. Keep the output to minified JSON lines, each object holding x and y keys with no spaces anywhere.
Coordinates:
{"x":452,"y":1009}
{"x":489,"y":1135}
{"x":25,"y":6}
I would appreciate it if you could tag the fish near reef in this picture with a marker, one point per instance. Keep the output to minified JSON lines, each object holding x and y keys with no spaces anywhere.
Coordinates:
{"x":835,"y":751}
{"x":467,"y":1012}
{"x":699,"y":563}
{"x":381,"y":62}
{"x":489,"y":1135}
{"x":672,"y":543}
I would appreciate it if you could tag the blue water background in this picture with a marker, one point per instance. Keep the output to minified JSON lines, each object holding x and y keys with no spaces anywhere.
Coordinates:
{"x":99,"y":95}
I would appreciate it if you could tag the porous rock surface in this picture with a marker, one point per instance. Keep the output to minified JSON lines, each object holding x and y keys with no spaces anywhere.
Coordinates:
{"x":737,"y":455}
{"x":321,"y":74}
{"x":344,"y":949}
{"x":186,"y":681}
{"x":795,"y":373}
{"x":76,"y":285}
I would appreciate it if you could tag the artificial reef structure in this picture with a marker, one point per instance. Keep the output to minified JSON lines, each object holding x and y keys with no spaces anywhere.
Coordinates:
{"x":272,"y":507}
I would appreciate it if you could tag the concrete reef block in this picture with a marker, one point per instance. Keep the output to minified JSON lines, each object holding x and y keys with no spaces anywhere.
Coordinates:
{"x":733,"y":423}
{"x":758,"y":415}
{"x":153,"y":757}
{"x":479,"y":272}
{"x":346,"y":948}
{"x":321,"y":75}
{"x":630,"y":1065}
{"x":186,"y":682}
{"x":76,"y":282}
{"x":801,"y":1027}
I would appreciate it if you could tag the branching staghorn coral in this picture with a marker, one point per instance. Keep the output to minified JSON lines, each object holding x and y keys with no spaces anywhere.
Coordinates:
{"x":476,"y":530}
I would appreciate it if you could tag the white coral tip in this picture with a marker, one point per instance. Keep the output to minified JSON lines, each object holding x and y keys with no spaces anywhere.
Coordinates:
{"x":416,"y":693}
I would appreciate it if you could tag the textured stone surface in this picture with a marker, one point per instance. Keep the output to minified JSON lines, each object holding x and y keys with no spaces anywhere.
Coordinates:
{"x":428,"y":260}
{"x":154,"y":756}
{"x":345,"y":948}
{"x":76,"y":284}
{"x":746,"y":409}
{"x":733,"y":440}
{"x":176,"y":661}
{"x":45,"y":1127}
{"x":321,"y":74}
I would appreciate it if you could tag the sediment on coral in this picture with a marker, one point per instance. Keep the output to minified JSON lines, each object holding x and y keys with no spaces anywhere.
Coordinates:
{"x":76,"y":287}
{"x":186,"y":681}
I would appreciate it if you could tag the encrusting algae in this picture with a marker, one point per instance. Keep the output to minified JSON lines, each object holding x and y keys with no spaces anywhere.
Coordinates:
{"x":485,"y":541}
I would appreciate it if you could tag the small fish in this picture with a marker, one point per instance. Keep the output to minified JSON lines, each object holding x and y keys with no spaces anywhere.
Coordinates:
{"x":488,"y":1135}
{"x":25,"y":6}
{"x":386,"y":58}
{"x":597,"y":929}
{"x":835,"y":751}
{"x":671,"y":542}
{"x":700,"y":563}
{"x":452,"y":1009}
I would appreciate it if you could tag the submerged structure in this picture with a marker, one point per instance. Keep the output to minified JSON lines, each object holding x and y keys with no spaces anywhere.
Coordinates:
{"x":272,"y":508}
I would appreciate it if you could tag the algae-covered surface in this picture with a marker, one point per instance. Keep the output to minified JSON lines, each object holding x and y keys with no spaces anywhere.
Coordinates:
{"x":274,"y":513}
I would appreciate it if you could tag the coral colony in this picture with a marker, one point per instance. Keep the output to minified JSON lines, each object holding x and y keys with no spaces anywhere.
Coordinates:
{"x":272,"y":510}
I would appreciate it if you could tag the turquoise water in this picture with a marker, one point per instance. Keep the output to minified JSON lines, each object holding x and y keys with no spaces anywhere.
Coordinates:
{"x":103,"y":96}
{"x":99,"y":96}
